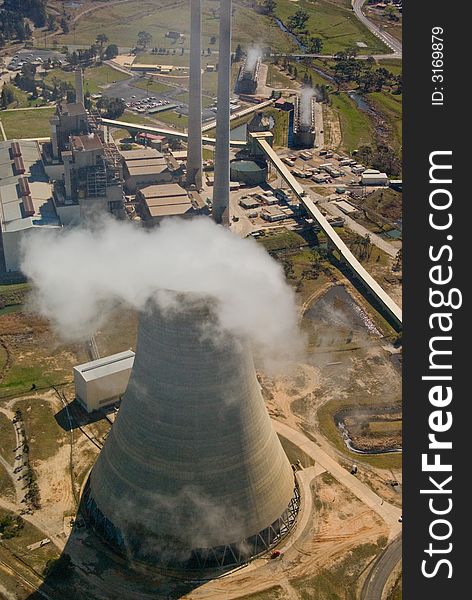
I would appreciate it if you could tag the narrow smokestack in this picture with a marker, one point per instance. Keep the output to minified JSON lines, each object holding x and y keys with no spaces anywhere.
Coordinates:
{"x":79,"y":85}
{"x":194,"y":160}
{"x":221,"y":185}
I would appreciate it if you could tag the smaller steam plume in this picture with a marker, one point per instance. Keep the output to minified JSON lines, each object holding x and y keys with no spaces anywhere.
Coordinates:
{"x":253,"y":54}
{"x":306,"y":97}
{"x":81,"y":275}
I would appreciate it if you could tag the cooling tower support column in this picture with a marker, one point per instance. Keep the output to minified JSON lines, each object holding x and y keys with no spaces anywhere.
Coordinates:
{"x":221,"y":184}
{"x":194,"y":159}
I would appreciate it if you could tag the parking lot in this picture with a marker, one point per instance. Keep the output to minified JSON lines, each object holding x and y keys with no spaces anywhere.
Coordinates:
{"x":33,"y":56}
{"x":141,"y":101}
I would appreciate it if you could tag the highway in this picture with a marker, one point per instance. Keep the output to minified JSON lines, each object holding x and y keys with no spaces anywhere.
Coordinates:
{"x":386,"y":38}
{"x":381,"y":569}
{"x":374,"y":288}
{"x":162,"y":131}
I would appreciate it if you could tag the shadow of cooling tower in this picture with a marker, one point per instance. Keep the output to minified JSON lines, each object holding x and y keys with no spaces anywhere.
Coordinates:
{"x":88,"y":569}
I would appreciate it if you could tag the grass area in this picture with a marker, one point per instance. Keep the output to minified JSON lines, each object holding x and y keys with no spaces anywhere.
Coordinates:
{"x":394,"y":65}
{"x":385,"y":427}
{"x":43,"y":433}
{"x":170,"y":117}
{"x":121,"y":23}
{"x":277,"y":78}
{"x":7,"y":439}
{"x":280,"y":130}
{"x":23,"y":100}
{"x":94,"y":77}
{"x":356,"y":127}
{"x":394,"y":28}
{"x":21,"y":377}
{"x":7,"y":489}
{"x":27,"y":123}
{"x":273,"y":593}
{"x":390,"y":107}
{"x":29,"y":534}
{"x":340,"y":581}
{"x":396,"y":593}
{"x":335,"y":24}
{"x":130,"y":117}
{"x":151,"y":85}
{"x":329,"y":429}
{"x":387,"y":203}
{"x":13,"y":294}
{"x":282,"y":239}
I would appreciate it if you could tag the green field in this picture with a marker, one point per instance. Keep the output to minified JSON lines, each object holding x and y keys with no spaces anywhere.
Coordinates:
{"x":390,"y":107}
{"x":151,"y":85}
{"x":27,"y":123}
{"x":394,"y":65}
{"x":43,"y":433}
{"x":7,"y":439}
{"x":121,"y":23}
{"x":335,"y":24}
{"x":356,"y":127}
{"x":94,"y":77}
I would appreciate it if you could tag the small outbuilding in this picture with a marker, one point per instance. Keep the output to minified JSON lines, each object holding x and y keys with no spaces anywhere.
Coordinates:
{"x":101,"y":383}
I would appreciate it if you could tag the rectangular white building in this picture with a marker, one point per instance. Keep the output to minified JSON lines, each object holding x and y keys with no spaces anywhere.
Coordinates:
{"x":100,"y":383}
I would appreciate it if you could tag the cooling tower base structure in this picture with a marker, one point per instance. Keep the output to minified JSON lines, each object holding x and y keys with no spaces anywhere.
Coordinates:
{"x":192,"y":475}
{"x":216,"y":557}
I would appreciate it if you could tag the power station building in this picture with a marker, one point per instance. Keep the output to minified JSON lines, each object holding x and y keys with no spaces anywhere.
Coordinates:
{"x":248,"y":75}
{"x":192,"y":475}
{"x":304,"y":120}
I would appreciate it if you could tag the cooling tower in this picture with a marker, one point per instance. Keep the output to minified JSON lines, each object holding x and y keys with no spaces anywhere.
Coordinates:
{"x":192,"y":474}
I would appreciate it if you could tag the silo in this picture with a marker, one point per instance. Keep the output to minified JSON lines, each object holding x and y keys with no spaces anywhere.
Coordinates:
{"x":192,"y":474}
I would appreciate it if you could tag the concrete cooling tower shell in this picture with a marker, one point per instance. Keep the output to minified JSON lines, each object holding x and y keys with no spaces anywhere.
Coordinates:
{"x":192,"y":474}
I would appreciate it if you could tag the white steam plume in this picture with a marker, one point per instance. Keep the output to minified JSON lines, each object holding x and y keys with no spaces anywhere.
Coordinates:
{"x":253,"y":54}
{"x":80,"y":275}
{"x":306,"y":96}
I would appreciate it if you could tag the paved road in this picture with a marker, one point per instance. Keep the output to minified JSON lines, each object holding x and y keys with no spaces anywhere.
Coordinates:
{"x":386,"y":38}
{"x":381,"y":569}
{"x":388,"y":512}
{"x":360,"y":229}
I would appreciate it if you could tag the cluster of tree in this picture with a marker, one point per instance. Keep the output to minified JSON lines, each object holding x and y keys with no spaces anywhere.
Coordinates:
{"x":166,"y":51}
{"x":10,"y":526}
{"x":61,"y":567}
{"x":144,"y":39}
{"x":349,"y":69}
{"x":381,"y":157}
{"x":112,"y":108}
{"x":266,"y":7}
{"x":297,"y":21}
{"x":33,"y":9}
{"x":361,"y":246}
{"x":7,"y":96}
{"x":97,"y":51}
{"x":13,"y":27}
{"x":25,"y":79}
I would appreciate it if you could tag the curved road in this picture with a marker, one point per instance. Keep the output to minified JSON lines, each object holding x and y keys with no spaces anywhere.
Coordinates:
{"x":381,"y":569}
{"x":386,"y":38}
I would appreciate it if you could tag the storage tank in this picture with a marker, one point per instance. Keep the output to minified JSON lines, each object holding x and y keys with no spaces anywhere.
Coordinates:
{"x":250,"y":172}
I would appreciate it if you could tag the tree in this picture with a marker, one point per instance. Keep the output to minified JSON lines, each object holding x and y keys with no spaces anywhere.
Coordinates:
{"x":101,"y":39}
{"x":52,"y":23}
{"x":298,"y":20}
{"x":238,"y":54}
{"x":8,"y":95}
{"x":269,"y":6}
{"x":64,"y":25}
{"x":111,"y":51}
{"x":315,"y":45}
{"x":144,"y":38}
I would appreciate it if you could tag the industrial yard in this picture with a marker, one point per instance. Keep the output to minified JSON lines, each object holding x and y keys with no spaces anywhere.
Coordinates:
{"x":200,"y":303}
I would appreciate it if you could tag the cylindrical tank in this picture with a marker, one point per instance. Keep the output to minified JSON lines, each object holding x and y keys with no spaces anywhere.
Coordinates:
{"x":250,"y":172}
{"x":192,"y":474}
